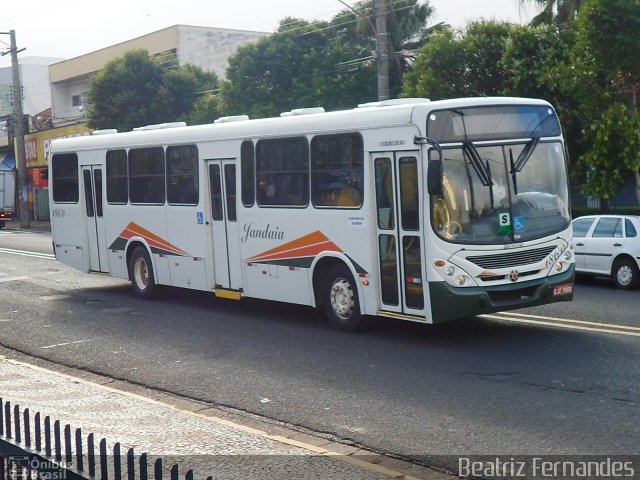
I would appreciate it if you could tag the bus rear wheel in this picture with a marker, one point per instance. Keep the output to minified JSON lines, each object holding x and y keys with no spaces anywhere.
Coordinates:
{"x":141,"y":274}
{"x":340,"y":302}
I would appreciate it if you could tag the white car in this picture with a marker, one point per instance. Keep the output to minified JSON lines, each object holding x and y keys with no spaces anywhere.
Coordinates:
{"x":609,"y":245}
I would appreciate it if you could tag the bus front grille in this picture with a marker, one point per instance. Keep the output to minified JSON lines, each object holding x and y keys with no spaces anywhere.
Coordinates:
{"x":512,"y":259}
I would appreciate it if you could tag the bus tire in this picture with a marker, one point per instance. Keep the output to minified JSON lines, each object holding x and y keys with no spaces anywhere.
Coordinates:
{"x":340,"y":302}
{"x":141,"y":274}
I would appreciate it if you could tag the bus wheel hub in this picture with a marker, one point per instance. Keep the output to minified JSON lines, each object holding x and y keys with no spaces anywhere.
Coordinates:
{"x":342,"y":298}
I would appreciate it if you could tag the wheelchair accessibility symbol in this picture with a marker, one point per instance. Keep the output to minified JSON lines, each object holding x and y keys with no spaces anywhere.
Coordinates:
{"x":518,"y":224}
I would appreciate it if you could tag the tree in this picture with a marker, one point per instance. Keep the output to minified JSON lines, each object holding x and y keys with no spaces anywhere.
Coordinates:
{"x":461,"y":64}
{"x":615,"y":147}
{"x":327,"y":64}
{"x":276,"y":73}
{"x":407,"y":30}
{"x":608,"y":38}
{"x":540,"y":65}
{"x":135,"y":90}
{"x":557,"y":12}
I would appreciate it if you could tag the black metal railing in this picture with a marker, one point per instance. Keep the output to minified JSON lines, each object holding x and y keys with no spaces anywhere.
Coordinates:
{"x":31,"y":450}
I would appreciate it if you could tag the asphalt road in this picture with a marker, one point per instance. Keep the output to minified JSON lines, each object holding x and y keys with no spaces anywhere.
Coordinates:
{"x":558,"y":379}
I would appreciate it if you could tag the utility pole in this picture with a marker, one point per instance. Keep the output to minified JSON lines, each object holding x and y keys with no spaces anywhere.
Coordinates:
{"x":382,"y":50}
{"x":18,"y":136}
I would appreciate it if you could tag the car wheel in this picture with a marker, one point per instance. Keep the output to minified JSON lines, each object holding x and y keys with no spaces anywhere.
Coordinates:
{"x":625,"y":274}
{"x":340,"y":302}
{"x":141,"y":274}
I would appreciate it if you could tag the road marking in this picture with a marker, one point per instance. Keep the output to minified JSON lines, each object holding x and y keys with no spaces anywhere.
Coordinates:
{"x":581,"y":322}
{"x":567,"y":324}
{"x":25,"y":253}
{"x":67,"y":343}
{"x":48,"y":298}
{"x":12,"y":279}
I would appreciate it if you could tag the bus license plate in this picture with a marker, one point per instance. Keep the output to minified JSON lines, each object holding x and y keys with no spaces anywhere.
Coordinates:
{"x":564,"y":289}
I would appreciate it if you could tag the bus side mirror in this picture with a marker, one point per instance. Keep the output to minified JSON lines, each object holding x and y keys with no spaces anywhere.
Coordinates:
{"x":434,"y":177}
{"x":434,"y":172}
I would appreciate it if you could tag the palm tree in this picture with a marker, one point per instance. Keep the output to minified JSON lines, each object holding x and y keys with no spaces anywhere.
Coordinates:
{"x":558,"y":12}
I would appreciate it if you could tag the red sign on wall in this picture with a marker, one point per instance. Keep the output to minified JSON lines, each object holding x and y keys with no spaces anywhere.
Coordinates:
{"x":38,"y":178}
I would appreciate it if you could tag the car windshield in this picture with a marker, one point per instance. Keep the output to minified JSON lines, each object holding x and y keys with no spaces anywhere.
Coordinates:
{"x":501,"y":193}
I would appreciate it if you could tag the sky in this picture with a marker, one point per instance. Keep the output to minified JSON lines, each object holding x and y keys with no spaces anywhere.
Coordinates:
{"x":70,"y":28}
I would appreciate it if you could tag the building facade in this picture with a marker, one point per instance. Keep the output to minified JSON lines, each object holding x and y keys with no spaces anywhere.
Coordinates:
{"x":208,"y":48}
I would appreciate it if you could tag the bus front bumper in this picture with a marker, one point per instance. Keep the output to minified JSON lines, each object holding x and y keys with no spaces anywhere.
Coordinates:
{"x":450,"y":303}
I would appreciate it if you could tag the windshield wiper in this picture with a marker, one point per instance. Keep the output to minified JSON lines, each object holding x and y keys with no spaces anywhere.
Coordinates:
{"x":525,"y":155}
{"x":483,"y":170}
{"x":520,"y":162}
{"x":471,"y":152}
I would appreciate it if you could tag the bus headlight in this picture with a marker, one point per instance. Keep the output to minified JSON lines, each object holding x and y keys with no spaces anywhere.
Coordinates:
{"x":452,"y":274}
{"x":563,"y":262}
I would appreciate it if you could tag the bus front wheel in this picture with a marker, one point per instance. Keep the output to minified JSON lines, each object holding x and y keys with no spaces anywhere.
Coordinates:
{"x":340,"y":301}
{"x":141,"y":272}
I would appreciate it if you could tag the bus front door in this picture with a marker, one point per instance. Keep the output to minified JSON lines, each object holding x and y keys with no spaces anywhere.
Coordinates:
{"x":94,"y":221}
{"x":224,"y":227}
{"x":398,"y":184}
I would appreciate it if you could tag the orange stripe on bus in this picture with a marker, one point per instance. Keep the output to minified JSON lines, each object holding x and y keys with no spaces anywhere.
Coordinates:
{"x":308,"y":245}
{"x":134,"y":229}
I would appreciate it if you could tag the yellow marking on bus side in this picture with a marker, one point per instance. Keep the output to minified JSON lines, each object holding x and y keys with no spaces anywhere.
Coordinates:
{"x":230,"y":294}
{"x":405,"y":316}
{"x":558,"y":324}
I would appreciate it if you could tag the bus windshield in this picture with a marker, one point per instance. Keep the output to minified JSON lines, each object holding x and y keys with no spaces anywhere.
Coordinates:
{"x":502,"y":193}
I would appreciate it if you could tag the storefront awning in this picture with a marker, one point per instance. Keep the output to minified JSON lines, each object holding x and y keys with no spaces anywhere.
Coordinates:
{"x":7,"y":162}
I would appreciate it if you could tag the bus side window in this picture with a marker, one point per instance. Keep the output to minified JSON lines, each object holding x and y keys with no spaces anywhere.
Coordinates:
{"x":117,"y":183}
{"x":147,"y":175}
{"x":337,"y":170}
{"x":64,"y":178}
{"x":282,"y":172}
{"x":248,"y":173}
{"x":182,"y":175}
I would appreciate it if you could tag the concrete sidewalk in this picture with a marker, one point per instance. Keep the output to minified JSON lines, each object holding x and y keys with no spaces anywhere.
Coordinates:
{"x":36,"y":226}
{"x":190,"y":433}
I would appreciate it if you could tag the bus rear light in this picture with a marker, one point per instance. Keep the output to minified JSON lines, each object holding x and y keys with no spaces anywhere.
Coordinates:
{"x":365,"y":283}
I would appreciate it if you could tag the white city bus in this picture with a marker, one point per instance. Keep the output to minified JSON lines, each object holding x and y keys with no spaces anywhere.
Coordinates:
{"x":424,"y":211}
